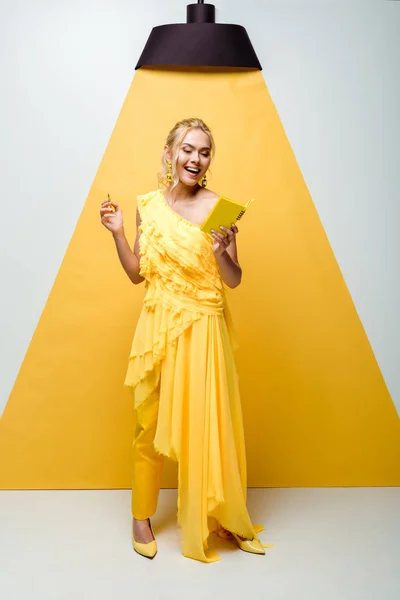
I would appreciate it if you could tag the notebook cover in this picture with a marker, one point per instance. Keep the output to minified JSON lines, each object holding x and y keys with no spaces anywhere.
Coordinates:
{"x":225,"y":212}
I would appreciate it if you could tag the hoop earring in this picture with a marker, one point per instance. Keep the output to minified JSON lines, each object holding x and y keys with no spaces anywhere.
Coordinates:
{"x":169,"y":172}
{"x":204,"y":182}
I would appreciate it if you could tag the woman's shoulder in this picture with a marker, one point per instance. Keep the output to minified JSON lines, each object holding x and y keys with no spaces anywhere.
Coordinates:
{"x":148,"y":195}
{"x":144,"y":199}
{"x":209,"y":197}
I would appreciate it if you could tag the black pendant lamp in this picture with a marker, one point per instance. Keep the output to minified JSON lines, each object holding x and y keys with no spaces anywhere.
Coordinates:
{"x":201,"y":42}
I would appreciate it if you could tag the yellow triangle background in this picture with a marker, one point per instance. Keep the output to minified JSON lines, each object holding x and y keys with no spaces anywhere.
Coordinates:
{"x":316,"y":408}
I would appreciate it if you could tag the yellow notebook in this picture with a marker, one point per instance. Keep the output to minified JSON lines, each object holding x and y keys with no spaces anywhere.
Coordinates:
{"x":225,"y":212}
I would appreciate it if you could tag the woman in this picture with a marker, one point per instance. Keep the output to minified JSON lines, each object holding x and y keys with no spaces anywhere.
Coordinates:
{"x":181,"y":366}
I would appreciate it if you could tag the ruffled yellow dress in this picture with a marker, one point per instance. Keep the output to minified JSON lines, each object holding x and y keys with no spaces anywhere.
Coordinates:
{"x":184,"y":342}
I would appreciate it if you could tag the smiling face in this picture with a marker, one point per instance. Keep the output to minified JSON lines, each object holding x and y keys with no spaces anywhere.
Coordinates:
{"x":194,"y":157}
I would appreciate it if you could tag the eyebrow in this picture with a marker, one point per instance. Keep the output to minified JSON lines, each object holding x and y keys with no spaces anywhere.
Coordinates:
{"x":187,"y":144}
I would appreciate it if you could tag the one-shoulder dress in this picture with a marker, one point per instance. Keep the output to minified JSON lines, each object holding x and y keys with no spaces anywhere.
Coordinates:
{"x":184,"y":343}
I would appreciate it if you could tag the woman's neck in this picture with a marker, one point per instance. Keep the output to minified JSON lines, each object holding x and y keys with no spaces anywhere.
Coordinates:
{"x":183,"y":192}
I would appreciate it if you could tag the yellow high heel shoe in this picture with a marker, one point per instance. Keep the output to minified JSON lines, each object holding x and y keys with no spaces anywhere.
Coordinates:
{"x":254,"y":546}
{"x":148,"y":550}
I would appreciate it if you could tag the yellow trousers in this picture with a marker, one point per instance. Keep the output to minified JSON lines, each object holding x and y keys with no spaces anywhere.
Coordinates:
{"x":147,"y":463}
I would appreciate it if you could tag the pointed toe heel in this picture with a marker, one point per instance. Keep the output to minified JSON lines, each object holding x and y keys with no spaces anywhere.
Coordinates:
{"x":148,"y":550}
{"x":253,"y":546}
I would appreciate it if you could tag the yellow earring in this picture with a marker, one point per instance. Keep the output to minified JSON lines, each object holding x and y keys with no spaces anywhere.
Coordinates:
{"x":169,"y":172}
{"x":204,"y":182}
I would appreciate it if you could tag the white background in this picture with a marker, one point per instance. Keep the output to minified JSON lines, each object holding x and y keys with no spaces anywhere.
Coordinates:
{"x":332,"y":68}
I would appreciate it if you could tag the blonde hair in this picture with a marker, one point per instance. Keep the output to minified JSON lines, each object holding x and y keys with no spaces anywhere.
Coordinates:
{"x":174,"y":141}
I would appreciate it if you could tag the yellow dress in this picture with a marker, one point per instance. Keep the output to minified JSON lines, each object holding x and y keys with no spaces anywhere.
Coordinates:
{"x":184,"y":343}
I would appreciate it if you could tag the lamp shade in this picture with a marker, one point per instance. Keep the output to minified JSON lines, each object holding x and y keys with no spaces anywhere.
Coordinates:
{"x":199,"y":43}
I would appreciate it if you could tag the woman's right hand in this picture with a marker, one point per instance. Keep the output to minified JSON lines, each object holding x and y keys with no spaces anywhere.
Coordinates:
{"x":111,"y":219}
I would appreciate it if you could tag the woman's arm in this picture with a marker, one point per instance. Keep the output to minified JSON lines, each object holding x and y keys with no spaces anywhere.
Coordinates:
{"x":111,"y":217}
{"x":130,"y":261}
{"x":225,"y":251}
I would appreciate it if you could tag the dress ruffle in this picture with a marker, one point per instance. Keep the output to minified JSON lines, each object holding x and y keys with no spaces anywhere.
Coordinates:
{"x":158,"y":327}
{"x":178,"y":254}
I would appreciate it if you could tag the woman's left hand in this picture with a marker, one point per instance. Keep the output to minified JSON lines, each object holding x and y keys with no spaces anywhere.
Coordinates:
{"x":220,"y":241}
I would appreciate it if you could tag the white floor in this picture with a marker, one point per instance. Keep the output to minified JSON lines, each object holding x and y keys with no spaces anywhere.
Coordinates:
{"x":329,"y":543}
